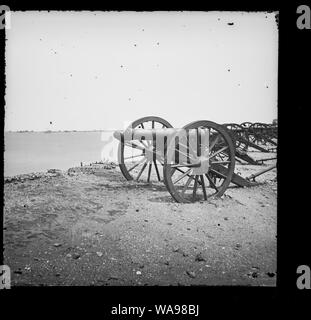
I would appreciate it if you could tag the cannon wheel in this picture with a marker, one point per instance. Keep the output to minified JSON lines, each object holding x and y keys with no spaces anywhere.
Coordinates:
{"x":184,"y":186}
{"x":246,"y":124}
{"x":259,"y":133}
{"x":236,"y":131}
{"x":133,"y":166}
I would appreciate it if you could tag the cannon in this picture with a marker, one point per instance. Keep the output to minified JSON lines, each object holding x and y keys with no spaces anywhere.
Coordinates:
{"x":263,"y":135}
{"x":197,"y":161}
{"x":259,"y":136}
{"x":131,"y":149}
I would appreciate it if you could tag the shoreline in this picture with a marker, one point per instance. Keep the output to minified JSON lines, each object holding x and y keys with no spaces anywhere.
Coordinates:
{"x":58,"y":131}
{"x":49,"y":173}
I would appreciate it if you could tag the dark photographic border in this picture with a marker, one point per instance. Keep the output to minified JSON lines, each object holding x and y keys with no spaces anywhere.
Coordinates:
{"x":292,"y":226}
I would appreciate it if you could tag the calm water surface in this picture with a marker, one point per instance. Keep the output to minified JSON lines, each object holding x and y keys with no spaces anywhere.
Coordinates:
{"x":37,"y":152}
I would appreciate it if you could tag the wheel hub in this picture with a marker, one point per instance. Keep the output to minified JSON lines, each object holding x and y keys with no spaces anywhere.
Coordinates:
{"x":204,"y":166}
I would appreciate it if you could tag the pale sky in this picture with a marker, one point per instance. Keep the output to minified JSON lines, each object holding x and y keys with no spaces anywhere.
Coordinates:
{"x":97,"y":70}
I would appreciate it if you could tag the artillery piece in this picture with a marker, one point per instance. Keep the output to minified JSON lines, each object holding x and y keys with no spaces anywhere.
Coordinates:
{"x":197,"y":160}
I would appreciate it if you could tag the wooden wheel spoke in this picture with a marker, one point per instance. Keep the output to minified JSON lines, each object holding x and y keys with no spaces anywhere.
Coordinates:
{"x":211,"y":181}
{"x":132,"y":157}
{"x":217,"y":152}
{"x":133,"y":145}
{"x":221,"y":162}
{"x":195,"y":188}
{"x":156,"y":167}
{"x":219,"y":174}
{"x":186,"y":185}
{"x":182,"y":176}
{"x":141,"y":171}
{"x":189,"y":175}
{"x":203,"y":187}
{"x":143,"y":143}
{"x":137,"y":164}
{"x":149,"y":171}
{"x":212,"y":145}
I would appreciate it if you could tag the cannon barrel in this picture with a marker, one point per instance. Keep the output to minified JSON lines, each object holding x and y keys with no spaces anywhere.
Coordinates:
{"x":150,"y":134}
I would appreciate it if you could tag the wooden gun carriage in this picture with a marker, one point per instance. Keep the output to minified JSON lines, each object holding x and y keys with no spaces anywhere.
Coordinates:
{"x":198,"y":160}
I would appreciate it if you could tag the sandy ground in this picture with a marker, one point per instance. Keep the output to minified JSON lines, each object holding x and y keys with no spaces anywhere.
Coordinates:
{"x":92,"y":227}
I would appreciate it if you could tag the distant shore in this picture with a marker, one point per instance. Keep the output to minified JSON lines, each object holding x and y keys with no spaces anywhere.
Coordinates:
{"x":55,"y":131}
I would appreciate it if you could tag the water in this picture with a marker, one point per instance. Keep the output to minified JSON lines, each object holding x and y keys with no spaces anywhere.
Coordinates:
{"x":38,"y":151}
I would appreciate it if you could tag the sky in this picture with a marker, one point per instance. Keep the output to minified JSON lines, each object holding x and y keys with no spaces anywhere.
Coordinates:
{"x":98,"y":70}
